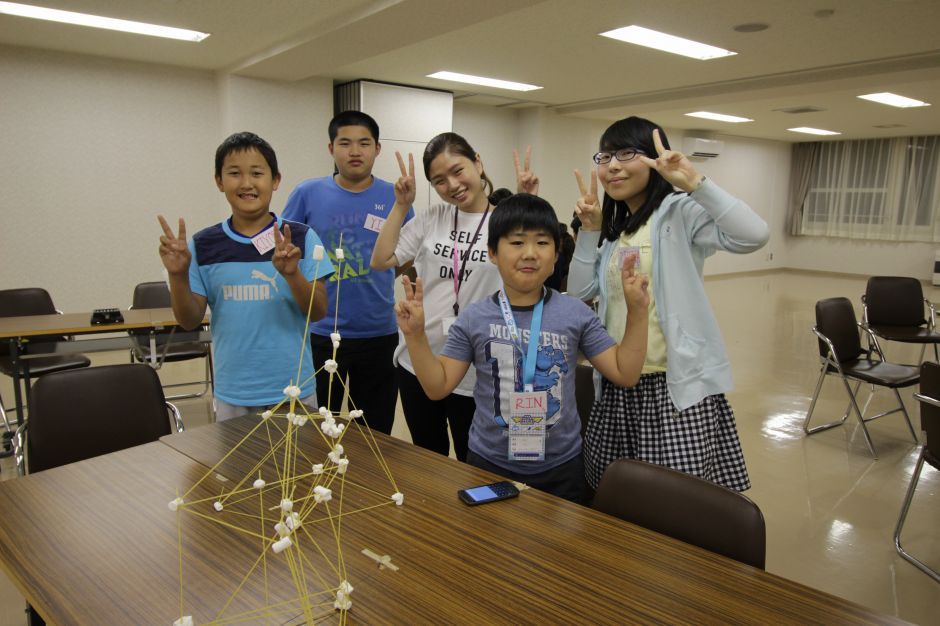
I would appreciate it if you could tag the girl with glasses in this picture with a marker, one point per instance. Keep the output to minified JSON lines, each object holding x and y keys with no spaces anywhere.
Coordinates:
{"x":657,"y":204}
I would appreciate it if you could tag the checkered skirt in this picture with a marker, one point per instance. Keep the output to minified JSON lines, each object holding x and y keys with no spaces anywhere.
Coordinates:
{"x":642,"y":423}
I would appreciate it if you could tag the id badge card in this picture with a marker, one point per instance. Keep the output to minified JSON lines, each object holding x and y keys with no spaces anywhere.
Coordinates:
{"x":527,"y":432}
{"x":264,"y":241}
{"x":627,"y":251}
{"x":447,"y":322}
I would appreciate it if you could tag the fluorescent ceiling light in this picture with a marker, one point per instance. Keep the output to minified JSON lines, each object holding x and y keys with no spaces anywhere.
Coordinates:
{"x":482,"y":80}
{"x":719,"y":117}
{"x":667,"y":43}
{"x":893,"y":99}
{"x":95,"y":21}
{"x":813,"y":131}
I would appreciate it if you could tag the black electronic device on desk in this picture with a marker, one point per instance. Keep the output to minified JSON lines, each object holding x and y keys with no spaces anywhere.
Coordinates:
{"x":106,"y":316}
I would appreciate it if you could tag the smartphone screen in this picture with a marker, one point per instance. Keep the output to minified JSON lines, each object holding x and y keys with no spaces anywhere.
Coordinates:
{"x":488,"y":493}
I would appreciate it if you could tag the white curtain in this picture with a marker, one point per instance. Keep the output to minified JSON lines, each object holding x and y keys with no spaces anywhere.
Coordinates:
{"x":885,"y":189}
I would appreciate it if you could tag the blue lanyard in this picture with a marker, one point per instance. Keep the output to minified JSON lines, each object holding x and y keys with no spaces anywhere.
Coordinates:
{"x":531,"y":356}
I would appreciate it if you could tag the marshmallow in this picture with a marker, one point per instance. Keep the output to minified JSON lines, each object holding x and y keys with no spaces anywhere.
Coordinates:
{"x":340,"y":255}
{"x":281,"y":545}
{"x":318,"y":253}
{"x":217,"y":505}
{"x":318,"y":468}
{"x":325,"y":412}
{"x":300,"y":420}
{"x":293,"y":522}
{"x":286,"y":505}
{"x":334,"y":336}
{"x":356,"y":413}
{"x":291,"y":417}
{"x":333,"y":456}
{"x":259,"y":484}
{"x":341,"y":465}
{"x":335,"y":344}
{"x":345,"y":587}
{"x":174,"y":504}
{"x":282,"y":529}
{"x":292,"y":391}
{"x":186,"y":620}
{"x":322,"y":494}
{"x":266,"y":415}
{"x":343,"y":604}
{"x":330,"y":366}
{"x":338,"y":448}
{"x":399,"y":498}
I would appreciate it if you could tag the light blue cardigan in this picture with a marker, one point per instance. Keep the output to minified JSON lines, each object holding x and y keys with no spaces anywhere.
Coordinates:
{"x":685,"y":230}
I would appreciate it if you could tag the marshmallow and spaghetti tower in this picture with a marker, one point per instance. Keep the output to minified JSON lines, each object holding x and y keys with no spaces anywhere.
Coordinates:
{"x":296,"y":512}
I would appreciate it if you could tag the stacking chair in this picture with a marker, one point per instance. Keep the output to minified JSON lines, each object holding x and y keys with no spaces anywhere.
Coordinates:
{"x":842,"y":355}
{"x":171,"y":345}
{"x":894,"y":311}
{"x":79,"y":414}
{"x":584,"y":393}
{"x":684,"y":507}
{"x":929,"y":398}
{"x":23,"y":302}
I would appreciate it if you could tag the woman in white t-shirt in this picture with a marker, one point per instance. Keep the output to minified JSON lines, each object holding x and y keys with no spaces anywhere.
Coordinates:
{"x":447,"y":244}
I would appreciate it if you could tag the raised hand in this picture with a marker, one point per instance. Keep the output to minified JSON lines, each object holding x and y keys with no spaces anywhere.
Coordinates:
{"x":635,"y":285}
{"x":173,"y":249}
{"x":673,"y":166}
{"x":405,"y":187}
{"x":410,"y":311}
{"x":588,"y":208}
{"x":286,"y":255}
{"x":526,"y":180}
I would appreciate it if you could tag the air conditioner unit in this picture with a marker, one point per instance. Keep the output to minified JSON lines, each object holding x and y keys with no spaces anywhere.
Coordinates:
{"x":701,"y":147}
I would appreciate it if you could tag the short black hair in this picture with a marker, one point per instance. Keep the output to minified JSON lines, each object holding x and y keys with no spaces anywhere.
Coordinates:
{"x":240,"y":142}
{"x":353,"y":118}
{"x":525,"y":211}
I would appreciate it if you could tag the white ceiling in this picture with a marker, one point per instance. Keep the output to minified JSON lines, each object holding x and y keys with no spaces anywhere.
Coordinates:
{"x":801,"y":60}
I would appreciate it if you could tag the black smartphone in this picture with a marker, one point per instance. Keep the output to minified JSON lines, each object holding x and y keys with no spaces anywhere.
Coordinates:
{"x":488,"y":493}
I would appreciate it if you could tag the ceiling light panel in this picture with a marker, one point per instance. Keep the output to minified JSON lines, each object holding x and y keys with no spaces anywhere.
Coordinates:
{"x":813,"y":131}
{"x":719,"y":117}
{"x":893,"y":99}
{"x":667,"y":43}
{"x":484,"y":81}
{"x":97,"y":21}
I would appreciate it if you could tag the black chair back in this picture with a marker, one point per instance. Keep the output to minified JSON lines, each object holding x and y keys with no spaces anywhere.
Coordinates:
{"x":26,"y":301}
{"x":835,"y":318}
{"x":929,"y":413}
{"x":153,"y":295}
{"x":894,"y":301}
{"x":78,"y":414}
{"x":584,"y":393}
{"x":684,"y":507}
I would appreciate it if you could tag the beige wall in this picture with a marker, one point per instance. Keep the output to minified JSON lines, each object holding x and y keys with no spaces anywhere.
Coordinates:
{"x":94,"y":149}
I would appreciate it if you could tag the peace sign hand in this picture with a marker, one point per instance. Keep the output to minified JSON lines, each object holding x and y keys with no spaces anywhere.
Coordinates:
{"x":405,"y":187}
{"x":286,"y":255}
{"x":635,"y":285}
{"x":173,"y":249}
{"x":588,"y":209}
{"x":526,"y":180}
{"x":673,"y":166}
{"x":410,"y":311}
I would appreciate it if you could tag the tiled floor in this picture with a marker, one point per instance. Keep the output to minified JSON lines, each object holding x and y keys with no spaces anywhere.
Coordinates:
{"x":830,"y":508}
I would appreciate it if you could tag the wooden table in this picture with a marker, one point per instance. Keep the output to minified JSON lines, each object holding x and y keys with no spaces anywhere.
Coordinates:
{"x":100,"y":547}
{"x":34,"y":336}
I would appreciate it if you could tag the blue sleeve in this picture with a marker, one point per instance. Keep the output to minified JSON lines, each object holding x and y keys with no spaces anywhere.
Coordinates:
{"x":196,"y":284}
{"x":594,"y":338}
{"x":296,"y":208}
{"x":313,"y":269}
{"x":458,"y":345}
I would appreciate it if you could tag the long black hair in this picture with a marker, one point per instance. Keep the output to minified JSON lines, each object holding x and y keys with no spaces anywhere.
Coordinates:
{"x":632,"y":132}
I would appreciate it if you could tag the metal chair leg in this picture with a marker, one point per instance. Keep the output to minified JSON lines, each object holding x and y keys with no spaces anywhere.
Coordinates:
{"x":812,"y":407}
{"x":908,"y":498}
{"x":861,"y":416}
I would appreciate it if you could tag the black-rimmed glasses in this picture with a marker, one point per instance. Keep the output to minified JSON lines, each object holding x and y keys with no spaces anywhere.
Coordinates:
{"x":624,"y":155}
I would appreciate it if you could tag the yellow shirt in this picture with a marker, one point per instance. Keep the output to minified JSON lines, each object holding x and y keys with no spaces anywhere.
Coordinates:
{"x":616,"y":318}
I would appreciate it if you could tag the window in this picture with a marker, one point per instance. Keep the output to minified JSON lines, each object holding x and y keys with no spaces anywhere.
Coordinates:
{"x":871,"y":189}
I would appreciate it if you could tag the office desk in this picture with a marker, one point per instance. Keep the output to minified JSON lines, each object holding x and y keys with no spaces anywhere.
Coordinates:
{"x":33,"y":336}
{"x":100,"y":547}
